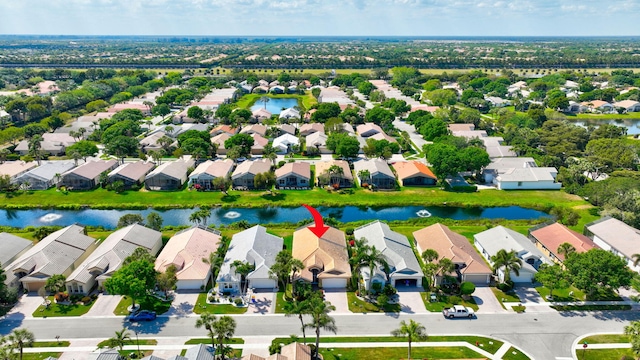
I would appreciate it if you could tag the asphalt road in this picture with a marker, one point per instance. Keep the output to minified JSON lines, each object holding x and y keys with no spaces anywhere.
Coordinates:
{"x":544,"y":336}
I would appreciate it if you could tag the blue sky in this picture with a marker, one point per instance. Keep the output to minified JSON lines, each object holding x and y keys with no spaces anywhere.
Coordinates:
{"x":322,"y":17}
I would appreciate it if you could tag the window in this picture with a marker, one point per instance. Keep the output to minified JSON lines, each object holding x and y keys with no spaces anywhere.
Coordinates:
{"x":281,"y":181}
{"x":519,"y":183}
{"x":303,"y":181}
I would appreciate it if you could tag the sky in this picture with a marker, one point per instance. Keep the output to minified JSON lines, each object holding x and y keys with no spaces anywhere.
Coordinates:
{"x":322,"y":17}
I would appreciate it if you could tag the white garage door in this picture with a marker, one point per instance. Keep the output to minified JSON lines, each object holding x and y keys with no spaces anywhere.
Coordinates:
{"x":524,"y":277}
{"x":334,"y":283}
{"x":189,"y":284}
{"x":262,"y":284}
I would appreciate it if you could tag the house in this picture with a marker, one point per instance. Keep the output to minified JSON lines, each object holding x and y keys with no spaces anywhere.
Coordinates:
{"x":294,"y":175}
{"x":308,"y":129}
{"x":219,"y":140}
{"x":256,"y":247}
{"x":254,"y":129}
{"x":202,"y":177}
{"x":108,"y":257}
{"x":48,"y":174}
{"x":226,"y":129}
{"x":57,"y":254}
{"x":549,"y":237}
{"x":169,"y":176}
{"x":259,"y":142}
{"x":318,"y":140}
{"x":150,"y":142}
{"x":375,"y":172}
{"x":598,"y":106}
{"x":289,"y":114}
{"x":497,"y":101}
{"x":12,"y":248}
{"x":613,"y":235}
{"x":627,"y":105}
{"x":54,"y":144}
{"x":261,"y":114}
{"x":404,"y":269}
{"x":100,"y":354}
{"x":293,"y":351}
{"x":277,"y":89}
{"x":469,"y":265}
{"x":131,"y":174}
{"x":340,"y":178}
{"x":285,"y":143}
{"x":489,"y":242}
{"x":287,"y":129}
{"x":520,"y":173}
{"x":87,"y":175}
{"x":414,"y":173}
{"x":186,"y":250}
{"x":244,"y":173}
{"x":197,"y":352}
{"x":13,"y":169}
{"x":382,"y":136}
{"x":368,"y":129}
{"x":325,"y":259}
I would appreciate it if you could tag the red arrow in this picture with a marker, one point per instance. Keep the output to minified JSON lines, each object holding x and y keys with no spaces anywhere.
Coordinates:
{"x":319,"y":229}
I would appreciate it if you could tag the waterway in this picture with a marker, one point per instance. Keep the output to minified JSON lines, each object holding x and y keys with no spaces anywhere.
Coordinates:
{"x":275,"y":105}
{"x":632,"y":125}
{"x":225,"y":216}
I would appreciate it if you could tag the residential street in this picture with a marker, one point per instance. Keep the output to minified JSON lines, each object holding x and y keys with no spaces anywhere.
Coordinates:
{"x":544,"y":336}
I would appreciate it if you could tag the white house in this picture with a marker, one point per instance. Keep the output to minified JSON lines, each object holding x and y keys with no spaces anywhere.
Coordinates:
{"x":521,"y":173}
{"x":289,"y":114}
{"x":615,"y":236}
{"x":284,"y":143}
{"x":628,"y":105}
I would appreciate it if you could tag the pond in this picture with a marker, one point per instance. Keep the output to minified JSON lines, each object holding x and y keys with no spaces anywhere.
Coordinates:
{"x":275,"y":105}
{"x":219,"y":216}
{"x":632,"y":125}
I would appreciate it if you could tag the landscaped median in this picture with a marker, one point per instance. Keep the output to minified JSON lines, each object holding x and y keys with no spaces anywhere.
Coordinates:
{"x":604,"y":346}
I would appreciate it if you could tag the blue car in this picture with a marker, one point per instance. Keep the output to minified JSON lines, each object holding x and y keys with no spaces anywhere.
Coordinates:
{"x":143,"y":315}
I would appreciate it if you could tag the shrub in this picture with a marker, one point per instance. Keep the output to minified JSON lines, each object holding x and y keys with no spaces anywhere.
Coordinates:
{"x":382,"y":300}
{"x":238,"y":302}
{"x":349,"y":231}
{"x":506,"y":286}
{"x":467,"y":288}
{"x":389,"y":290}
{"x":212,"y":298}
{"x":61,"y":297}
{"x":455,"y":300}
{"x":281,"y":163}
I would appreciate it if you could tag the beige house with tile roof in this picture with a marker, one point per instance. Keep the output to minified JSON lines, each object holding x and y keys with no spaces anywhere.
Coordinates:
{"x":293,"y":351}
{"x":87,"y":175}
{"x":613,"y":235}
{"x":131,"y":173}
{"x":549,"y":237}
{"x":16,"y":168}
{"x":325,"y":259}
{"x":325,"y":178}
{"x":308,"y":129}
{"x":204,"y":174}
{"x":295,"y":175}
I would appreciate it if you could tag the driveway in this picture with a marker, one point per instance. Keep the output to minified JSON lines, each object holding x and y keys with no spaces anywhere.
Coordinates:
{"x":487,"y":302}
{"x":104,"y":305}
{"x":530,"y":298}
{"x":26,"y":306}
{"x":262,"y":302}
{"x":416,"y":138}
{"x":183,"y":303}
{"x":338,"y":298}
{"x":411,"y":301}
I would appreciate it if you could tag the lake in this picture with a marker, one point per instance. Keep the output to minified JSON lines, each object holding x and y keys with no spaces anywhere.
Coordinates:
{"x":275,"y":105}
{"x":219,"y":216}
{"x":632,"y":125}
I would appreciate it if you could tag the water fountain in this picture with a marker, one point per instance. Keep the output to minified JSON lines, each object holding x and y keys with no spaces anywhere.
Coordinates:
{"x":50,"y":217}
{"x":232,"y":215}
{"x":423,"y":213}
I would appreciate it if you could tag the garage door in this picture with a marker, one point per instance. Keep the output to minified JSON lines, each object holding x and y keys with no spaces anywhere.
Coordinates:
{"x":189,"y":284}
{"x":478,"y":279}
{"x":406,"y":282}
{"x":262,"y":284}
{"x":333,"y":283}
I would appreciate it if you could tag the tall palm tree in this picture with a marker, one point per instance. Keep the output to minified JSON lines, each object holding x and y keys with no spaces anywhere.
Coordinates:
{"x":565,"y":249}
{"x":214,"y":261}
{"x":509,"y":261}
{"x":413,"y":331}
{"x":7,"y":352}
{"x":320,"y":319}
{"x":120,"y":339}
{"x":206,"y":321}
{"x":430,"y":255}
{"x":224,"y":328}
{"x":335,"y":174}
{"x":298,"y":308}
{"x":21,"y":338}
{"x":358,"y":259}
{"x":633,"y":330}
{"x":35,"y":147}
{"x":296,"y":266}
{"x":265,"y":100}
{"x":243,"y":268}
{"x":374,"y":258}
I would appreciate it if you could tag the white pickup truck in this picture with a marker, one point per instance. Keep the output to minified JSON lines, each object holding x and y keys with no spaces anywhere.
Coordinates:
{"x":458,"y":311}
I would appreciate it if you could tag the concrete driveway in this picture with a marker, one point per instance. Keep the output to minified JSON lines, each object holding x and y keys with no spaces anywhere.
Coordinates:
{"x":262,"y":302}
{"x":104,"y":305}
{"x":487,"y":302}
{"x":26,"y":306}
{"x":338,"y":298}
{"x":183,"y":303}
{"x":411,"y":301}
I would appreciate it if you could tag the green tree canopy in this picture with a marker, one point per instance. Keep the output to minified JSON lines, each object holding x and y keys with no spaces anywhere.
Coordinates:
{"x":598,"y":269}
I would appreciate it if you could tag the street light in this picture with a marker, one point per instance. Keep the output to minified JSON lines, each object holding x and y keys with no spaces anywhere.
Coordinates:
{"x":137,"y":342}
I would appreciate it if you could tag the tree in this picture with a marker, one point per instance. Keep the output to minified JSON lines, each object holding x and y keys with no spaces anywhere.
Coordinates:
{"x":467,"y":288}
{"x":35,"y":147}
{"x":320,"y":320}
{"x":196,"y":113}
{"x":221,"y":183}
{"x":221,"y":329}
{"x":21,"y":338}
{"x":264,"y":180}
{"x":83,"y":147}
{"x":298,"y":308}
{"x":316,"y":92}
{"x":283,"y":268}
{"x":413,"y":331}
{"x":633,"y":330}
{"x":134,"y":279}
{"x":167,"y":280}
{"x":129,"y":219}
{"x":433,"y":129}
{"x":243,"y":268}
{"x":120,"y":339}
{"x":343,"y":145}
{"x":365,"y":88}
{"x":161,"y":110}
{"x":336,"y":173}
{"x":215,"y":261}
{"x":138,"y":254}
{"x":154,"y":221}
{"x":597,"y":269}
{"x":241,"y":142}
{"x":56,"y":283}
{"x":565,"y":249}
{"x":200,"y":216}
{"x":508,"y":261}
{"x":552,"y":277}
{"x":122,"y":146}
{"x":264,"y":100}
{"x":636,"y":259}
{"x":373,"y":258}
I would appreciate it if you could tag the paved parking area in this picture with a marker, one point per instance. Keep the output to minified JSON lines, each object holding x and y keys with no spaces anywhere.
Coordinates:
{"x":262,"y":302}
{"x":487,"y":302}
{"x":411,"y":301}
{"x":338,"y":298}
{"x":183,"y":303}
{"x":26,"y":305}
{"x":104,"y":305}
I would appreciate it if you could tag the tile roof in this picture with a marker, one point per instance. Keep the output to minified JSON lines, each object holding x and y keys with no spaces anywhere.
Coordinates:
{"x":500,"y":237}
{"x":551,"y":236}
{"x":328,"y":253}
{"x":218,"y":168}
{"x":186,"y":249}
{"x":374,"y":166}
{"x":15,"y":168}
{"x":299,"y":168}
{"x":252,"y":167}
{"x":93,"y":169}
{"x":133,"y":171}
{"x":323,"y":167}
{"x":407,"y":169}
{"x":175,"y":169}
{"x":620,"y":236}
{"x":311,"y":128}
{"x":11,"y":246}
{"x":48,"y":170}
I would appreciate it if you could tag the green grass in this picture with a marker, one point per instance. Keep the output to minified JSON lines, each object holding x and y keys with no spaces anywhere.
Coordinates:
{"x":443,"y":302}
{"x":628,"y":116}
{"x":196,"y":341}
{"x":603,"y":354}
{"x":39,"y":356}
{"x":359,"y":306}
{"x":280,"y":301}
{"x":399,"y":353}
{"x":59,"y":310}
{"x":606,"y":339}
{"x":202,"y":307}
{"x":561,"y":294}
{"x":514,"y":354}
{"x":105,"y":343}
{"x":590,"y":307}
{"x":504,"y":297}
{"x":519,"y":308}
{"x":146,"y":303}
{"x":37,"y":344}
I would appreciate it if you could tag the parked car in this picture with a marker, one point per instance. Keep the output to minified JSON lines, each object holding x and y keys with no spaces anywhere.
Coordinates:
{"x":142,"y":315}
{"x":458,"y":311}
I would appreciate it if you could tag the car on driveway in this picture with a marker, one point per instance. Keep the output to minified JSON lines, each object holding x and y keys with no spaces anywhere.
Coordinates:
{"x":143,"y":315}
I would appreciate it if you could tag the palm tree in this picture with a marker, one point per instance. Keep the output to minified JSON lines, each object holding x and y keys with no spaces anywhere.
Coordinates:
{"x":507,"y":260}
{"x":224,"y":328}
{"x":565,"y":249}
{"x":430,"y":255}
{"x":7,"y":352}
{"x":374,"y":258}
{"x":636,"y":259}
{"x":335,"y":174}
{"x":3,"y":155}
{"x":21,"y":338}
{"x":296,"y":266}
{"x":243,"y":268}
{"x":298,"y":308}
{"x":35,"y":147}
{"x":207,"y":320}
{"x":120,"y":339}
{"x":320,"y":319}
{"x":215,"y":261}
{"x":75,"y":155}
{"x":265,"y":100}
{"x":633,"y":330}
{"x":413,"y":331}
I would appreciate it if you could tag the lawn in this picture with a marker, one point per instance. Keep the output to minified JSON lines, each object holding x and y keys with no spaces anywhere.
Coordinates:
{"x":514,"y":354}
{"x":443,"y":302}
{"x":105,"y":343}
{"x":147,"y":303}
{"x":37,"y":344}
{"x":58,"y":310}
{"x":40,"y":356}
{"x":590,"y":307}
{"x":504,"y":297}
{"x":603,"y":354}
{"x":202,"y":307}
{"x":561,"y":294}
{"x":399,"y":353}
{"x":196,"y":341}
{"x":280,"y":301}
{"x":606,"y":339}
{"x":360,"y":306}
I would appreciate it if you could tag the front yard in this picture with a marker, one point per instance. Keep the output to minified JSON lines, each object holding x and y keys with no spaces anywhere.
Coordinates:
{"x":505,"y":297}
{"x":357,"y":305}
{"x":147,"y":303}
{"x":203,"y":307}
{"x":57,"y":310}
{"x":446,"y":301}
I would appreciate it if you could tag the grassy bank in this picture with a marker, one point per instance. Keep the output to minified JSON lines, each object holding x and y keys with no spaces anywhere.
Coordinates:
{"x":306,"y":101}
